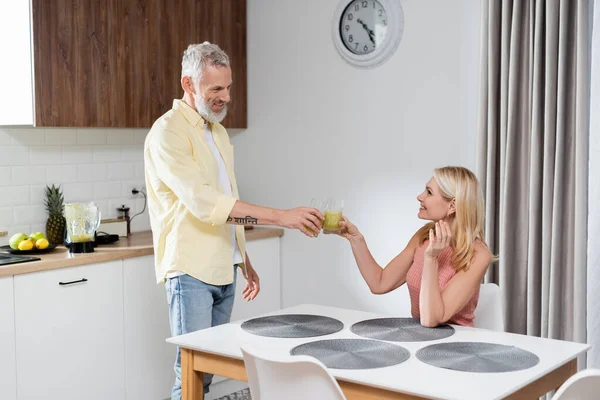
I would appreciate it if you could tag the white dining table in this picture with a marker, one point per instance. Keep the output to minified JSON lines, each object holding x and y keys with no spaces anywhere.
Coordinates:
{"x":217,"y":350}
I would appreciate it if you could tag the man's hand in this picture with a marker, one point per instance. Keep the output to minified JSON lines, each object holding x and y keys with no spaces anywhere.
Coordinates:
{"x":306,"y":219}
{"x":252,"y":284}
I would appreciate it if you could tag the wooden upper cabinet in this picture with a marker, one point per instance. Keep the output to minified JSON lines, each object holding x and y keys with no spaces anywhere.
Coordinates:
{"x":117,"y":63}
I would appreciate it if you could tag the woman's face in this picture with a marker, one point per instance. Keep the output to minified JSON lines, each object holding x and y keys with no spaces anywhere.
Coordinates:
{"x":434,"y":206}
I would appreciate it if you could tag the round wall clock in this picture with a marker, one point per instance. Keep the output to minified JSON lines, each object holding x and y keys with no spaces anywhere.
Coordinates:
{"x":366,"y":33}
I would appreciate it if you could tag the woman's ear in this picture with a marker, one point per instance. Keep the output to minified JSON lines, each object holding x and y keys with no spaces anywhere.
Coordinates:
{"x":452,"y":208}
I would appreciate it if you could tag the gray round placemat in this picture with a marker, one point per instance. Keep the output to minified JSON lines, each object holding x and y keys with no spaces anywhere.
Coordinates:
{"x":292,"y":326}
{"x":400,"y":330}
{"x":353,"y":353}
{"x":477,"y":357}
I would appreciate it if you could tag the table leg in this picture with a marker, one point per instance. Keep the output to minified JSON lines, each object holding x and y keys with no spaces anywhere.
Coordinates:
{"x":192,"y":385}
{"x":547,"y":383}
{"x":572,"y":371}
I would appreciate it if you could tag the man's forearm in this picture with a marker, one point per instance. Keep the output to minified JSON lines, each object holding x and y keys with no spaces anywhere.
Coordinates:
{"x":250,"y":214}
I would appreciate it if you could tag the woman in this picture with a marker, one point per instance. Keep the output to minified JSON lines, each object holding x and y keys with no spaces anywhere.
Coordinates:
{"x":445,"y":261}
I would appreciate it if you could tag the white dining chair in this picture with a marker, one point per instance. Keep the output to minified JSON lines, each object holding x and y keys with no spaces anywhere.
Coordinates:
{"x":489,"y":313}
{"x":288,"y":377}
{"x":584,"y":385}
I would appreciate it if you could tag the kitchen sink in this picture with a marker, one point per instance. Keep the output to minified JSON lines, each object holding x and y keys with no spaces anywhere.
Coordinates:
{"x":6,"y":259}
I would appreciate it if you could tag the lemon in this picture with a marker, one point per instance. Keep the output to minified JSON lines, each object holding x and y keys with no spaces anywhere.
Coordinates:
{"x":41,"y":244}
{"x":26,"y":245}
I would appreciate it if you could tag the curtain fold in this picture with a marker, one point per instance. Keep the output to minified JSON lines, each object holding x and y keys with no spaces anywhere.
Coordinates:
{"x":532,"y":160}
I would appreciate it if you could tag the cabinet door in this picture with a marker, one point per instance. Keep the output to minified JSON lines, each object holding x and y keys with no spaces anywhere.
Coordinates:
{"x":264,"y":255}
{"x":70,"y":335}
{"x":16,"y":101}
{"x":148,"y":358}
{"x":8,"y":377}
{"x":118,"y":63}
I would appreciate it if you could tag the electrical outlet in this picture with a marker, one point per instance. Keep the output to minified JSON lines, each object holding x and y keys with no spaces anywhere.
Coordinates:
{"x":134,"y":190}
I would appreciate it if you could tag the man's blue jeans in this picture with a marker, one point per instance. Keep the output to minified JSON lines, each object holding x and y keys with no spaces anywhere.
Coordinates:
{"x":195,"y":305}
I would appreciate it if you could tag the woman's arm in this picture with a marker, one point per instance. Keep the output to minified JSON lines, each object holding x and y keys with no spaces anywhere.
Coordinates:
{"x":380,"y":280}
{"x":435,"y":306}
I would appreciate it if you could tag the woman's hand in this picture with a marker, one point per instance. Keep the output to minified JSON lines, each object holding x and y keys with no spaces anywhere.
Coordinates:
{"x":349,"y":230}
{"x":438,"y":240}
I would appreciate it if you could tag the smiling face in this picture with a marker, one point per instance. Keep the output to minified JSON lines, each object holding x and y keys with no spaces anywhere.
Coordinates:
{"x":434,"y":206}
{"x":212,"y":94}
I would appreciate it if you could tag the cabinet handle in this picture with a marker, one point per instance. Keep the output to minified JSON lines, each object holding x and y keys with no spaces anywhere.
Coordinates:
{"x":72,"y":282}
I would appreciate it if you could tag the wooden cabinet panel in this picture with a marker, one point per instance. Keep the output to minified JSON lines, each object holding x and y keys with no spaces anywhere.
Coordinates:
{"x":117,"y":63}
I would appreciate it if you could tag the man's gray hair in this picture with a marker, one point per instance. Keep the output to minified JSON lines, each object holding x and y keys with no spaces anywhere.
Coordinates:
{"x":198,"y":56}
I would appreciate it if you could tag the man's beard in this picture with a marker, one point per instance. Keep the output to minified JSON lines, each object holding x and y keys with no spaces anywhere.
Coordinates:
{"x":206,"y":112}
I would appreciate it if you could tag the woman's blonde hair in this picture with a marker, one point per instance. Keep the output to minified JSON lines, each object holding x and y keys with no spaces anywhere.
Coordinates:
{"x":462,"y":186}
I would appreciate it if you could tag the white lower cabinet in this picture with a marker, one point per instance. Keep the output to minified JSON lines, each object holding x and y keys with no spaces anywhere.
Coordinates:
{"x":264,"y":255}
{"x":8,"y":372}
{"x":98,"y":331}
{"x":148,"y":358}
{"x":69,"y":333}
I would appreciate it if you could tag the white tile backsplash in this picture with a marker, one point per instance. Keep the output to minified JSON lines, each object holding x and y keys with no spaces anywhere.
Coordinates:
{"x":5,"y":137}
{"x":121,"y":136}
{"x":14,"y":155}
{"x":77,"y":154}
{"x":28,"y":175}
{"x":29,"y":214}
{"x":44,"y":155}
{"x":65,"y":173}
{"x":29,"y":136}
{"x":6,"y":216}
{"x":107,"y":190}
{"x":91,"y":172}
{"x":14,"y":195}
{"x":107,"y":153}
{"x":100,"y":165}
{"x":5,"y":176}
{"x":37,"y":194}
{"x":91,"y":136}
{"x":56,"y":136}
{"x":120,"y":171}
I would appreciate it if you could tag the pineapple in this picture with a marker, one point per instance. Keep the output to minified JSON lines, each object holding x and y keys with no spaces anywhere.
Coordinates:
{"x":56,"y":223}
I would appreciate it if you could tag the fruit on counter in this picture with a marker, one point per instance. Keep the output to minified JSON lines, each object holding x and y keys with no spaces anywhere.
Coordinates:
{"x":42,"y":244}
{"x":26,"y":244}
{"x":37,"y":236}
{"x":56,"y":223}
{"x":16,"y":239}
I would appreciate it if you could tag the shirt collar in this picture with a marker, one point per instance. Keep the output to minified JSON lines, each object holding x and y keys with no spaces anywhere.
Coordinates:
{"x":188,"y":112}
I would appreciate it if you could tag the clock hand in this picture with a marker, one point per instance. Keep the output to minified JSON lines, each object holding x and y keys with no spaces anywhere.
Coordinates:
{"x":369,"y":32}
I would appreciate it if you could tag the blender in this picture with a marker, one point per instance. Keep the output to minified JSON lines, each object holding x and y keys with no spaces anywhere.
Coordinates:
{"x":82,"y":221}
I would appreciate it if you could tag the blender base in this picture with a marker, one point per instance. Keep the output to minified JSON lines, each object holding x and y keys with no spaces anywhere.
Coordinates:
{"x":81,"y":247}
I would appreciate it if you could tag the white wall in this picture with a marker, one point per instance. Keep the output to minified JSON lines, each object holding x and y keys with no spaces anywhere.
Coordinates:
{"x":100,"y":165}
{"x":318,"y":127}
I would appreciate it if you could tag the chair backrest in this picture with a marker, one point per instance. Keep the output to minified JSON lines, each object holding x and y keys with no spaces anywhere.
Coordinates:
{"x":489,"y":313}
{"x":288,"y":377}
{"x":584,"y":385}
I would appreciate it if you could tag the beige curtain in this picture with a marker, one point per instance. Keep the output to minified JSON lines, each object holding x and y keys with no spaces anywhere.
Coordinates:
{"x":533,"y":160}
{"x":593,"y":284}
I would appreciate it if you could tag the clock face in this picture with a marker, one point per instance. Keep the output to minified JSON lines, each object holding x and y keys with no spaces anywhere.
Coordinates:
{"x":363,"y":26}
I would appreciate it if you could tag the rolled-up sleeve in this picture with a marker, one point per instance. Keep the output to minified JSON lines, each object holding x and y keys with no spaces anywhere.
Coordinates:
{"x":171,"y":154}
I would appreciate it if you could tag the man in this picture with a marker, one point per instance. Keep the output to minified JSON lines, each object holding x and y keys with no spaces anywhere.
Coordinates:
{"x":196,"y":216}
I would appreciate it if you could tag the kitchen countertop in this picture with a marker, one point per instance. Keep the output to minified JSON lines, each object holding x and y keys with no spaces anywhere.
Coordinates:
{"x":137,"y":245}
